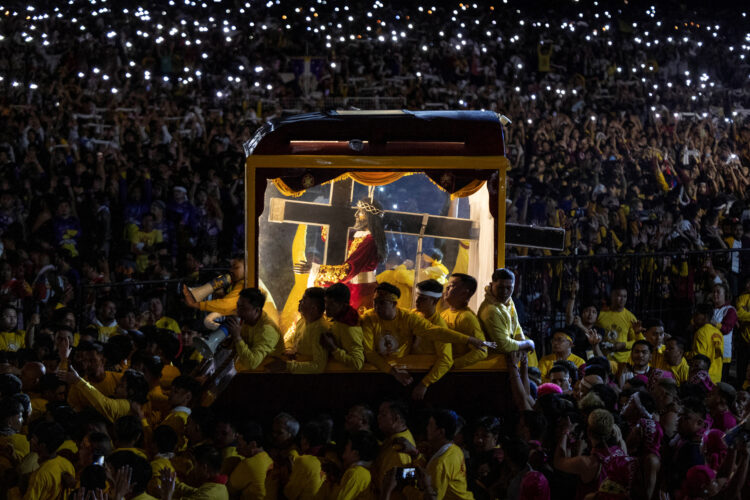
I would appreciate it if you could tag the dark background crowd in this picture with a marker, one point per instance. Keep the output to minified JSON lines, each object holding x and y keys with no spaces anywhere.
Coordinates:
{"x":121,"y":171}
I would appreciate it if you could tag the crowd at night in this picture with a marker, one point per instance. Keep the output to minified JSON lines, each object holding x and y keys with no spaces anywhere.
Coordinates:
{"x":121,"y":162}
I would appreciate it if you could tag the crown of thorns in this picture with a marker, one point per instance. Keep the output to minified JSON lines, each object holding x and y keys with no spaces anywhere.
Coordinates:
{"x":370,"y":208}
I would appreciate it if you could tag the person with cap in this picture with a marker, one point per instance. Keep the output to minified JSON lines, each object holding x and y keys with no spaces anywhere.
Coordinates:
{"x":344,"y":339}
{"x":563,"y":341}
{"x":460,"y":288}
{"x":498,"y":316}
{"x":429,"y":293}
{"x":389,"y":333}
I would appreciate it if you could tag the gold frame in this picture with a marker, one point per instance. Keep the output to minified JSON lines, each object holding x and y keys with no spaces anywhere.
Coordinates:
{"x":359,"y":163}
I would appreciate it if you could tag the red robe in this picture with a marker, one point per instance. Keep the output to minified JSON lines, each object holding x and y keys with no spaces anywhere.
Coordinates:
{"x":362,"y":258}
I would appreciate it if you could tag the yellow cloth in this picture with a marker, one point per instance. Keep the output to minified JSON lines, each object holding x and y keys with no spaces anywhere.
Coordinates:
{"x":112,"y":409}
{"x":20,"y":448}
{"x":390,"y":456}
{"x":145,"y":496}
{"x":350,"y":338}
{"x":248,"y":479}
{"x":443,"y":352}
{"x":12,"y":341}
{"x":177,"y":419}
{"x":546,"y":363}
{"x":464,"y":321}
{"x":148,"y":240}
{"x":709,"y":341}
{"x":106,"y":387}
{"x":168,"y":374}
{"x":290,"y":312}
{"x":743,"y":315}
{"x":462,"y":259}
{"x":230,"y":459}
{"x":136,"y":451}
{"x":157,"y":465}
{"x":355,"y":485}
{"x":258,"y":341}
{"x":206,"y":491}
{"x":437,"y":271}
{"x":168,"y":323}
{"x":400,"y":332}
{"x":622,"y":323}
{"x":38,"y":408}
{"x":305,"y":479}
{"x":403,"y":279}
{"x":305,"y":341}
{"x":46,"y":482}
{"x":680,"y":372}
{"x":448,"y":473}
{"x":105,"y":332}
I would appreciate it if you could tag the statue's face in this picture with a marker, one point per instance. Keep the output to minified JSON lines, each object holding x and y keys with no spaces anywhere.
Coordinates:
{"x":360,"y":219}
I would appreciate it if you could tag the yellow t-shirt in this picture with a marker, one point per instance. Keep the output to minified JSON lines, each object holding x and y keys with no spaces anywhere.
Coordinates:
{"x":464,"y":321}
{"x":392,"y":339}
{"x":443,"y":352}
{"x":390,"y":457}
{"x":355,"y":485}
{"x":350,"y":338}
{"x":305,"y":341}
{"x":448,"y":473}
{"x":500,"y":323}
{"x":248,"y":479}
{"x":177,"y":419}
{"x":106,"y":387}
{"x":622,"y":323}
{"x":305,"y":479}
{"x":12,"y":341}
{"x":546,"y":363}
{"x":157,"y":465}
{"x":46,"y":482}
{"x":258,"y":342}
{"x":709,"y":341}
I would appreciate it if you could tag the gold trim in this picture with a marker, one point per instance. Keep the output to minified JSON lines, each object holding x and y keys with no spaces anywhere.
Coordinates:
{"x":374,"y":162}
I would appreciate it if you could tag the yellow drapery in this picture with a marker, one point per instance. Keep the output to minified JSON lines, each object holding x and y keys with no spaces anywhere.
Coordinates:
{"x":379,"y":179}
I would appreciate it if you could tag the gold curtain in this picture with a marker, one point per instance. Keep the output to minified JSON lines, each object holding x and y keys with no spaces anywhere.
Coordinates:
{"x":379,"y":179}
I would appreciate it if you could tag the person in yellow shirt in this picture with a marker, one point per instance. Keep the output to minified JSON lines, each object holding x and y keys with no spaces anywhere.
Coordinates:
{"x":498,"y":316}
{"x":250,"y":479}
{"x":151,"y":366}
{"x":458,"y":316}
{"x":344,"y":341}
{"x":361,"y":449}
{"x":131,"y":394}
{"x":206,"y":473}
{"x":654,"y":333}
{"x":128,"y":432}
{"x":163,"y":445}
{"x":400,"y":274}
{"x":432,"y":267}
{"x":156,"y":310}
{"x":12,"y":440}
{"x":708,"y":341}
{"x":91,"y":363}
{"x":303,"y":351}
{"x":184,"y":394}
{"x":446,"y":466}
{"x":389,"y":332}
{"x":225,"y":439}
{"x":307,"y":476}
{"x":105,"y":320}
{"x":562,"y":345}
{"x":429,"y":293}
{"x":619,"y":325}
{"x":258,"y":336}
{"x":392,"y":417}
{"x":743,"y":331}
{"x":143,"y":241}
{"x":673,"y":360}
{"x":11,"y":339}
{"x":47,"y":482}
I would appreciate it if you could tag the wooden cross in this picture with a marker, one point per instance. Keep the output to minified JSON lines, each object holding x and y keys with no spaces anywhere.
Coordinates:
{"x":338,"y":215}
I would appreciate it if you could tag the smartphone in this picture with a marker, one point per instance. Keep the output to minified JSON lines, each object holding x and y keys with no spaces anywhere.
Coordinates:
{"x":406,"y":475}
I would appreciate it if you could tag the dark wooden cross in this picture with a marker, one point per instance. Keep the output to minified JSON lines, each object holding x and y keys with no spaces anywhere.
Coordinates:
{"x":338,"y":215}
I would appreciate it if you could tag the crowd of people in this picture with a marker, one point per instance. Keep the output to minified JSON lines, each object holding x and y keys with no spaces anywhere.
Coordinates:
{"x":121,"y":160}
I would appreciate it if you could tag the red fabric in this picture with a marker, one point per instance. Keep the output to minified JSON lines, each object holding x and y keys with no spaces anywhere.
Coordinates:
{"x":715,"y":448}
{"x":219,"y":478}
{"x":362,"y":295}
{"x":729,"y":321}
{"x":350,"y":317}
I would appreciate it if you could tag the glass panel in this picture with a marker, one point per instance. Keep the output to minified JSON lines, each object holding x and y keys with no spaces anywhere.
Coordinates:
{"x":324,"y":231}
